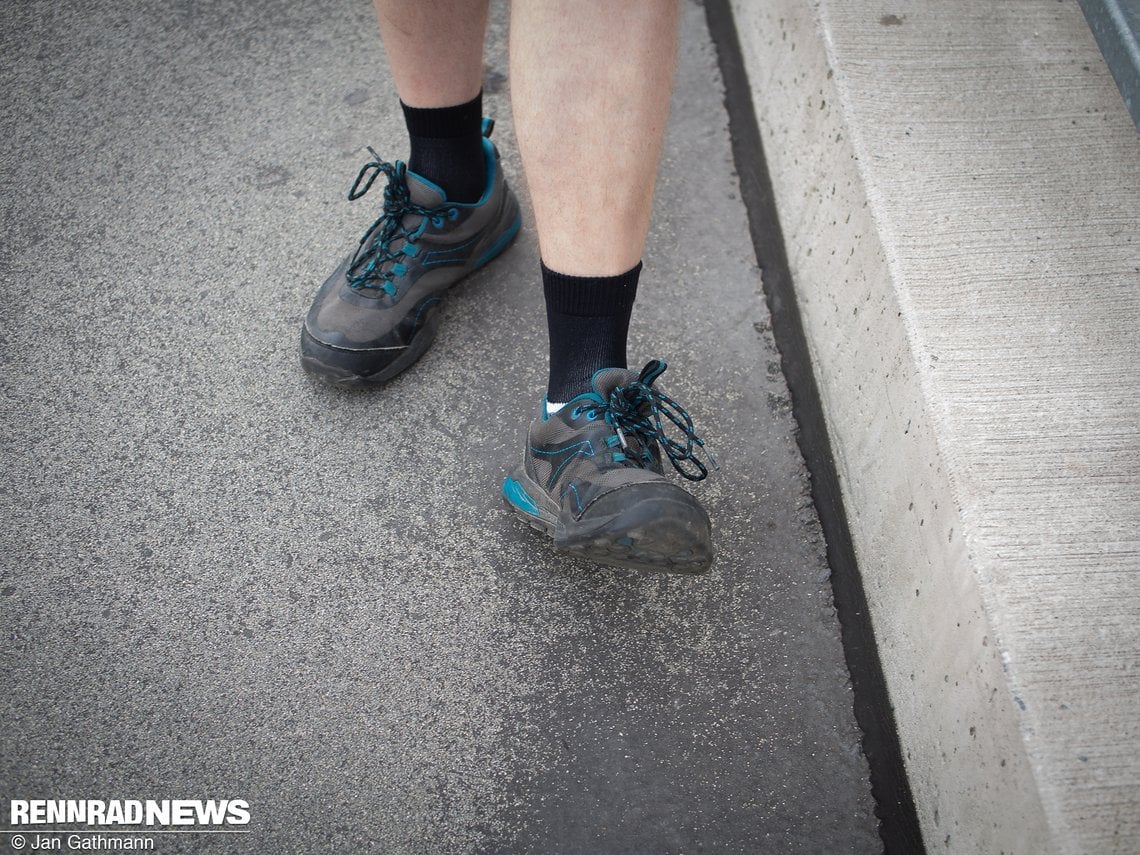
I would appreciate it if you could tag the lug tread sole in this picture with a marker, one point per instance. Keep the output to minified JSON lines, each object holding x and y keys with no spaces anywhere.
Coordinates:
{"x":629,"y":556}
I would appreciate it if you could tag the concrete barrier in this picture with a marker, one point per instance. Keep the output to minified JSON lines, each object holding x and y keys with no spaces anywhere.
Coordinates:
{"x":959,"y":188}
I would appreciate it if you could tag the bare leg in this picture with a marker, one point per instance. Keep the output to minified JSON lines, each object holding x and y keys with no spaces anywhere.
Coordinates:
{"x":590,"y":85}
{"x":435,"y":48}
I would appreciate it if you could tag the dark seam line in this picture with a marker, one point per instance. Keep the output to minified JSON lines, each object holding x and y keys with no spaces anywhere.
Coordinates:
{"x":894,"y":802}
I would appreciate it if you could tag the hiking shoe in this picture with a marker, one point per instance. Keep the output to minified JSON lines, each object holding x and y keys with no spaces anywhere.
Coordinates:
{"x":376,"y":314}
{"x":592,"y":477}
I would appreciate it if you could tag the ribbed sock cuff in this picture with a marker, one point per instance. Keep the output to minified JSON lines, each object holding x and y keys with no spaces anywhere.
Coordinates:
{"x":588,"y":321}
{"x":590,"y":296}
{"x":447,"y":147}
{"x":445,"y":122}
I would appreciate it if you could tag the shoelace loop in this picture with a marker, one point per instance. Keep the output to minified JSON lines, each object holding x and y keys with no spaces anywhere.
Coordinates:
{"x":369,"y":267}
{"x":637,"y":409}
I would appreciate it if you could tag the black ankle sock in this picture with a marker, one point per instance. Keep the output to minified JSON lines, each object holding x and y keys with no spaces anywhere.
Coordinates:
{"x":447,"y":147}
{"x":588,"y":320}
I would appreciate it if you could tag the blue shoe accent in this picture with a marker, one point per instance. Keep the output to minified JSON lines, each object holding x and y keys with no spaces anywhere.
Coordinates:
{"x":514,"y":493}
{"x":499,"y":245}
{"x":427,"y":304}
{"x":454,"y":254}
{"x":571,"y":487}
{"x":587,"y":400}
{"x":582,"y":448}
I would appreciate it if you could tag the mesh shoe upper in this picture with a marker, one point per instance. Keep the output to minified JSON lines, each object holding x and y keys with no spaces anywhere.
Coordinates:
{"x":609,"y":439}
{"x":418,"y":247}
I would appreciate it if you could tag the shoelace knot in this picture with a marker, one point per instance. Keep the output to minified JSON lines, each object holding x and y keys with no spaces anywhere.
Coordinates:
{"x":375,"y":264}
{"x":636,"y":409}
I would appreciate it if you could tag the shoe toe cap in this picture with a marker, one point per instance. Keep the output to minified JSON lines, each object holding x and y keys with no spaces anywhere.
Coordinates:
{"x":650,"y":524}
{"x":343,"y":318}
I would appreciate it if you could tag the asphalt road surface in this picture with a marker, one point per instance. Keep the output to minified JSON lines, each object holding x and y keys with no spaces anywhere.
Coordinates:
{"x":221,"y":580}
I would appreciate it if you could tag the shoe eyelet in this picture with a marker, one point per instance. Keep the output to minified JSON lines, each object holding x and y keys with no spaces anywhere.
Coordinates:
{"x":453,"y":213}
{"x":437,"y":222}
{"x":592,"y":415}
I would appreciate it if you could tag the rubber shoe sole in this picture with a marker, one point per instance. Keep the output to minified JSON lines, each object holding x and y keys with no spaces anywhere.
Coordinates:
{"x":341,"y":367}
{"x":652,"y":533}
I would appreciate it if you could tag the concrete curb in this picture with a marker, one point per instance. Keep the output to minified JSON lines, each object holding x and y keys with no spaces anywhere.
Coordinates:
{"x":876,"y":127}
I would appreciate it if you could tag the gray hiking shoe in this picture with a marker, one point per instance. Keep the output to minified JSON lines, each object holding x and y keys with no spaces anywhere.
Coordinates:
{"x":592,"y":477}
{"x":376,"y":314}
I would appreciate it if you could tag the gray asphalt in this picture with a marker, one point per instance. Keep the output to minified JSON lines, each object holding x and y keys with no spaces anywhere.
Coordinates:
{"x":221,"y":580}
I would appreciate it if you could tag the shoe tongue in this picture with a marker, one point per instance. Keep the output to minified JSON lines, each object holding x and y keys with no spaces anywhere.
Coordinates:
{"x":423,"y":192}
{"x":608,"y":379}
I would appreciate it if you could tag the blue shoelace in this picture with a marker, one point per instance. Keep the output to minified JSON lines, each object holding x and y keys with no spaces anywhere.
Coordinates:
{"x":636,"y":409}
{"x":375,"y":264}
